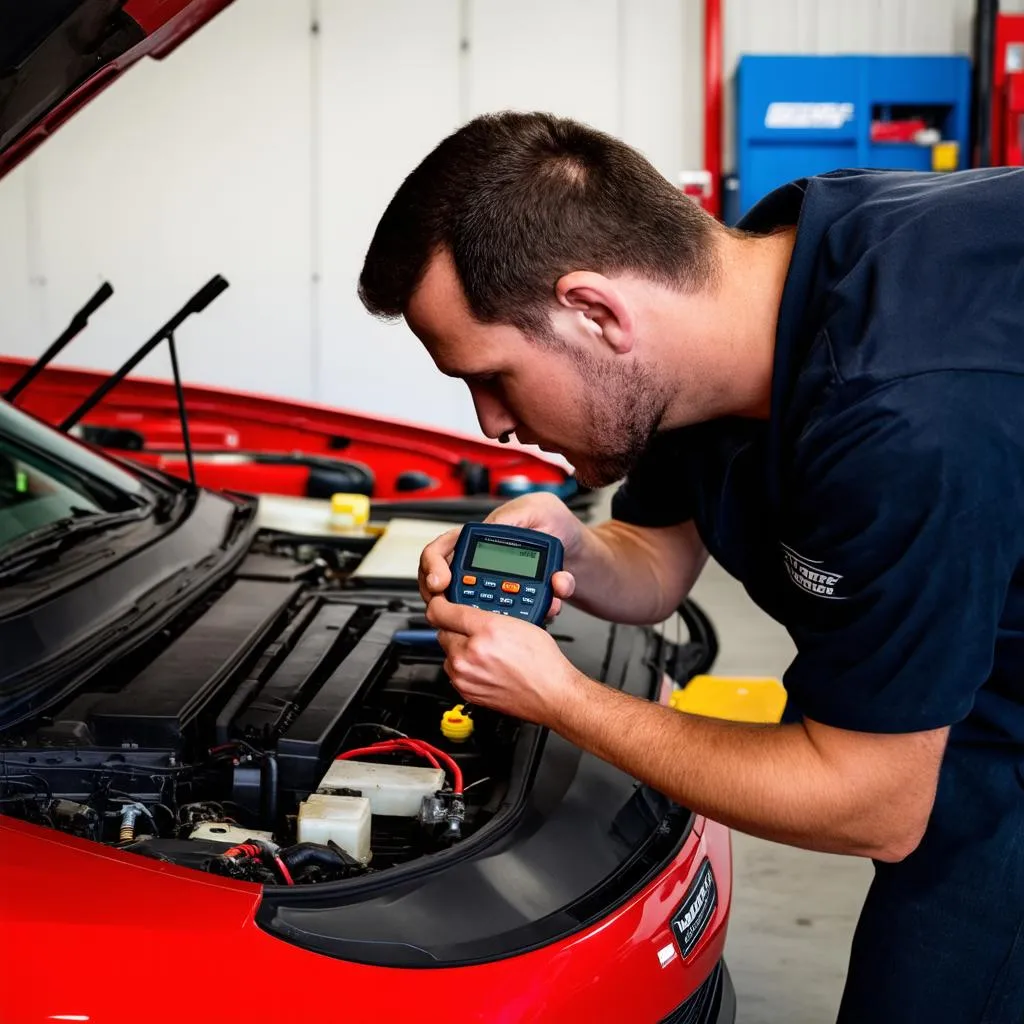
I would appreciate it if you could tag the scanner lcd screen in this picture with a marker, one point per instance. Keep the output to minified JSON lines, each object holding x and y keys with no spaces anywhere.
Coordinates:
{"x":502,"y":558}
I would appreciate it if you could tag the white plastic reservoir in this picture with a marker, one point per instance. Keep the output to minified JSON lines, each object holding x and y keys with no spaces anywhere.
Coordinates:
{"x":222,"y":832}
{"x":391,"y":788}
{"x":343,"y":819}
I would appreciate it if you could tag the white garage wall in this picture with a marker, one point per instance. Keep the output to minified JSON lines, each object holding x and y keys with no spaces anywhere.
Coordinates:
{"x":266,"y":147}
{"x":195,"y":165}
{"x":388,"y":90}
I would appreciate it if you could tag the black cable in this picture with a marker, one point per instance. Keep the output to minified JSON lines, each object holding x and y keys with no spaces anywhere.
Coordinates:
{"x":269,"y":777}
{"x":219,"y":807}
{"x":222,"y":748}
{"x":4,"y":779}
{"x":168,"y":812}
{"x":385,"y":729}
{"x":115,"y":769}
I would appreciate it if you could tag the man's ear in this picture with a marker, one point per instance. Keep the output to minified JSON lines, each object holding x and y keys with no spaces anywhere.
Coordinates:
{"x":601,"y":308}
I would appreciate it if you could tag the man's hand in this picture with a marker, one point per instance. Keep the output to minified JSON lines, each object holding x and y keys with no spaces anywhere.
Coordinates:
{"x":543,"y":512}
{"x":616,"y":571}
{"x":504,"y":663}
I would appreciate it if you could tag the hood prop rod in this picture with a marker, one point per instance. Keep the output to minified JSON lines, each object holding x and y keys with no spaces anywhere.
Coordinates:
{"x":186,"y":437}
{"x":73,"y":329}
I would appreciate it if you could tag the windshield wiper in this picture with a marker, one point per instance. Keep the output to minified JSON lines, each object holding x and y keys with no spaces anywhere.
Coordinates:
{"x":40,"y":545}
{"x":196,"y":304}
{"x":73,"y":329}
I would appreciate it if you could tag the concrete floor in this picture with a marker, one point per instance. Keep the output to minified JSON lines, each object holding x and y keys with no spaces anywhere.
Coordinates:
{"x":793,"y":912}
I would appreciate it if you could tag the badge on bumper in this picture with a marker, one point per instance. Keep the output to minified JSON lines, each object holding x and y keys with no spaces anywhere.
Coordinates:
{"x":696,"y":910}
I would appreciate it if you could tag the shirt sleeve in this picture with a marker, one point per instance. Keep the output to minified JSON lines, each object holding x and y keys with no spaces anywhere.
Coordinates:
{"x":905,"y":531}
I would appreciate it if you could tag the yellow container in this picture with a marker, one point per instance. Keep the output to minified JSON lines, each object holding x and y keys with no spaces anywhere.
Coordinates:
{"x":735,"y":698}
{"x":348,"y":510}
{"x":945,"y":156}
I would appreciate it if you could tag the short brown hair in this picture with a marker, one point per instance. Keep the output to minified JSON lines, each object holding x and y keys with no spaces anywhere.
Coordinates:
{"x":521,"y":199}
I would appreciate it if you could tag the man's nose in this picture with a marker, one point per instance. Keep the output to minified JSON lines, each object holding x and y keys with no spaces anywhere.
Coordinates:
{"x":493,"y":417}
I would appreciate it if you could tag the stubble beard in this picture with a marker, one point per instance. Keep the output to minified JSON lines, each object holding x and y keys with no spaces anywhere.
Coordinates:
{"x":625,"y":407}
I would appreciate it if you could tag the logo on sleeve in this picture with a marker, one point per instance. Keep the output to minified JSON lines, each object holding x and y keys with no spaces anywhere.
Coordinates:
{"x":810,"y":576}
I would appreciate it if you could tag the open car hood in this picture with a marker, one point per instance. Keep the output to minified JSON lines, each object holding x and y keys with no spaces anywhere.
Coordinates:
{"x":56,"y":55}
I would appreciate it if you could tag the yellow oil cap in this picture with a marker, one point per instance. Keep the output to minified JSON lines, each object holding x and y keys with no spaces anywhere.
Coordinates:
{"x":456,"y":726}
{"x":349,"y":509}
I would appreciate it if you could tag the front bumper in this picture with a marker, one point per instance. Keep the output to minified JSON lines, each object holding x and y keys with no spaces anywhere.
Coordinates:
{"x":713,"y":1003}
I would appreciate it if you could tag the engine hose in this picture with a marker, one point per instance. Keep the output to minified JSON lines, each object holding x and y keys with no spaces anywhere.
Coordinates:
{"x":129,"y":815}
{"x":269,"y":789}
{"x":304,"y":855}
{"x":242,"y":851}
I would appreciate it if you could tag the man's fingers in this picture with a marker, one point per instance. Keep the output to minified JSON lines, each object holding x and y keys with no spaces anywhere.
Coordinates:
{"x":564,"y":584}
{"x":509,"y":514}
{"x":452,"y":643}
{"x":456,"y":618}
{"x":435,"y":573}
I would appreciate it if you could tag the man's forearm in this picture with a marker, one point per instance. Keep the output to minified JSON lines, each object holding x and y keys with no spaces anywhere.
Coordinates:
{"x":634,"y":575}
{"x":769,"y":781}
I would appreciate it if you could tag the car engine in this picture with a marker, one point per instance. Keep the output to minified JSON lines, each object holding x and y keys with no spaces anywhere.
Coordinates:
{"x":276,"y":732}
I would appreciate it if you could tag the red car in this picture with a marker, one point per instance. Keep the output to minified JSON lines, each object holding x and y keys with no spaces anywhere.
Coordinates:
{"x":231,"y":785}
{"x":264,"y":445}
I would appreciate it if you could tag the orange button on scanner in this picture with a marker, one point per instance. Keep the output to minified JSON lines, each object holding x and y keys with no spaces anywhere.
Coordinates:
{"x":469,"y":581}
{"x":510,"y":588}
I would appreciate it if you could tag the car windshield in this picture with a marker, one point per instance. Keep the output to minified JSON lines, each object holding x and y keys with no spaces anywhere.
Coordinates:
{"x":46,"y":478}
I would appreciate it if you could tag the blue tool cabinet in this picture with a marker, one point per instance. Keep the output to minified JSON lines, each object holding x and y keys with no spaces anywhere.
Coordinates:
{"x":804,"y":115}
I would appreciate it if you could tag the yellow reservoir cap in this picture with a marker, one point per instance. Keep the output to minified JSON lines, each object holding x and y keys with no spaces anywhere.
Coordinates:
{"x":455,"y":725}
{"x":349,"y":509}
{"x":737,"y":699}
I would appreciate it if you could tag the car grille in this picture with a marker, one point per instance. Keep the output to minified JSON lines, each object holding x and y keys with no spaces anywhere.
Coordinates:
{"x":702,"y":1006}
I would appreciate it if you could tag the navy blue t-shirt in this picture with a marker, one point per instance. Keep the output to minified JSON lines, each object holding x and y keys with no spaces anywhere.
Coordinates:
{"x":879,"y":513}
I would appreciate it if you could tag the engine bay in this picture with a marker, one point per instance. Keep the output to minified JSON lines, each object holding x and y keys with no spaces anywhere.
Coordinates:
{"x":276,"y":732}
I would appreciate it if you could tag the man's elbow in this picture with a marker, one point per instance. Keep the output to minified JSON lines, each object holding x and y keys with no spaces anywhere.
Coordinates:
{"x":899,"y":847}
{"x":886,"y":785}
{"x":895,"y":841}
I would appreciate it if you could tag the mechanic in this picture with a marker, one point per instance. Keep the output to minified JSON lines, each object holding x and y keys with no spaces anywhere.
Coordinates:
{"x":829,"y":401}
